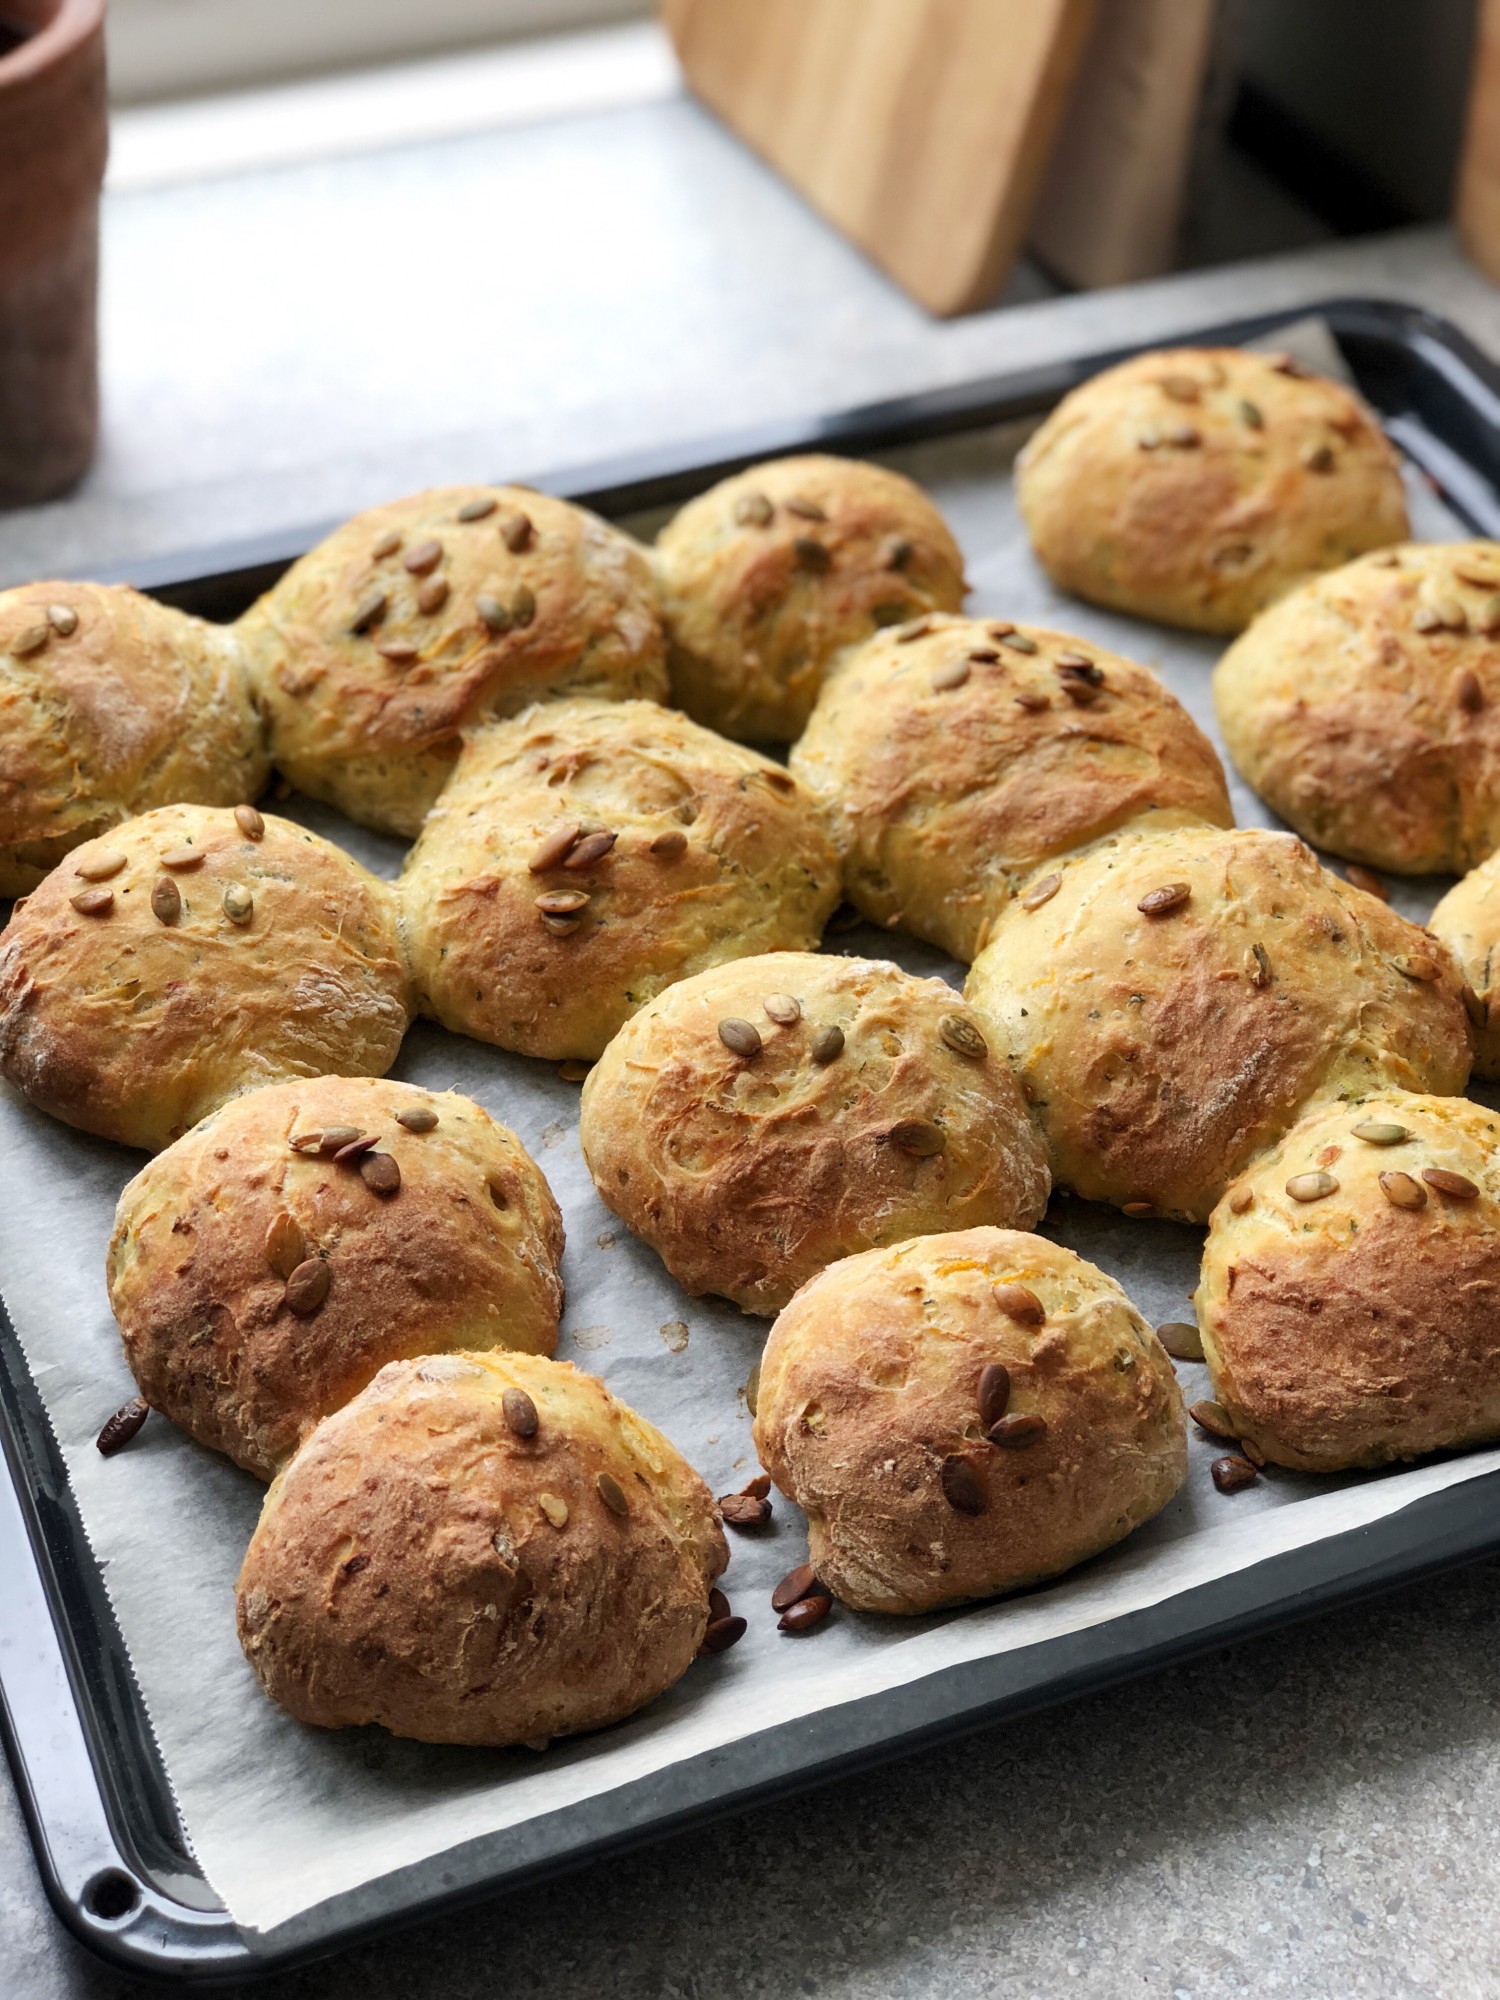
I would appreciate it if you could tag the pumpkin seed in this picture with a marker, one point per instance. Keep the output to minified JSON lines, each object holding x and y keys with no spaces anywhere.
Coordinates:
{"x":918,"y":1137}
{"x":369,"y":611}
{"x":100,"y":867}
{"x":1041,"y":892}
{"x":1181,"y":1339}
{"x":963,"y":1489}
{"x":961,"y":1035}
{"x":520,"y":1412}
{"x":239,"y":904}
{"x":285,"y":1246}
{"x":307,"y":1287}
{"x":1311,"y":1187}
{"x":1380,"y":1132}
{"x":1020,"y":1303}
{"x":740,"y":1037}
{"x":555,"y":849}
{"x":1459,"y":1186}
{"x":423,"y":556}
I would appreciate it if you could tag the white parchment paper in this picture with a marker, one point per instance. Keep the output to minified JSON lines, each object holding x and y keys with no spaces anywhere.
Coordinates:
{"x":291,"y":1825}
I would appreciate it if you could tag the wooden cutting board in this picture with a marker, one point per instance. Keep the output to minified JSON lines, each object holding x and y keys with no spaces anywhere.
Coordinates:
{"x":920,"y":128}
{"x":1479,"y":176}
{"x":1109,"y":209}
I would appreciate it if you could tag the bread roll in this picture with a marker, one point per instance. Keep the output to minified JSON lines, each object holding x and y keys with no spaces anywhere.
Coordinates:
{"x":110,"y":704}
{"x":761,"y":1120}
{"x":769,"y":574}
{"x":588,"y":853}
{"x":1351,"y":1285}
{"x":1172,"y":1001}
{"x":1365,"y":707}
{"x":191,"y":954}
{"x":480,"y":1548}
{"x":1467,"y":921}
{"x":414,"y":620}
{"x":260,"y":1283}
{"x":1197,"y":485}
{"x":965,"y":1414}
{"x":956,"y":755}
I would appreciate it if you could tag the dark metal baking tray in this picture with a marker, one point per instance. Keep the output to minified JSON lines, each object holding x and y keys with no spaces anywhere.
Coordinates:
{"x":112,"y":1853}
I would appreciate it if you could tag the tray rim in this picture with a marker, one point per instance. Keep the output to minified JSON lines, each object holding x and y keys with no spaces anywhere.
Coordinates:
{"x":57,"y":1629}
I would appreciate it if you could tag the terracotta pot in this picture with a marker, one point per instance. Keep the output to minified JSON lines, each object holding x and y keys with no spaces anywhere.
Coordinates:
{"x":54,"y":134}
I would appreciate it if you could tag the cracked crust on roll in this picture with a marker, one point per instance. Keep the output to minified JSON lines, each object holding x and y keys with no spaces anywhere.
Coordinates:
{"x":1365,"y":708}
{"x":111,"y":704}
{"x":869,"y":1416}
{"x":586,"y":855}
{"x":1161,"y":1048}
{"x":957,"y":755}
{"x":1467,"y":921}
{"x":1357,"y":1325}
{"x":875,"y":1109}
{"x":1195,"y":486}
{"x":415,"y":620}
{"x":426,"y":1564}
{"x":457,"y":1246}
{"x":769,"y":575}
{"x":133,"y":1003}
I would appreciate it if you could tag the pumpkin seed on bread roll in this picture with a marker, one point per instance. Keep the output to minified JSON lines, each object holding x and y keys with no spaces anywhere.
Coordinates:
{"x":1351,"y":1285}
{"x":763,"y":1119}
{"x":956,"y":756}
{"x":964,"y":1414}
{"x":1171,"y":1002}
{"x":1365,"y":707}
{"x":111,"y":704}
{"x":1196,"y":485}
{"x":586,"y":854}
{"x":267,"y":1264}
{"x":415,"y":620}
{"x":189,"y":955}
{"x":483,"y":1549}
{"x":766,"y":578}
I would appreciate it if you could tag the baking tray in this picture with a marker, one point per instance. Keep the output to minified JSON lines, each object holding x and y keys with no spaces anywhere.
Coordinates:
{"x":113,"y":1855}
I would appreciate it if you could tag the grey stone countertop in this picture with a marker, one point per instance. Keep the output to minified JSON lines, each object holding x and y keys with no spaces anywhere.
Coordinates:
{"x":1314,"y":1813}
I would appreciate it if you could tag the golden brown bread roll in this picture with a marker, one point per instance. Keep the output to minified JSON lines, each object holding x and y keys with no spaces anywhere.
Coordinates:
{"x":956,"y":754}
{"x":110,"y":704}
{"x":964,"y":1414}
{"x":260,"y":1283}
{"x":414,"y":620}
{"x":1196,"y":485}
{"x":759,"y":1121}
{"x":191,"y":954}
{"x":1467,"y":921}
{"x":480,"y":1548}
{"x":530,"y":927}
{"x":1172,"y":1001}
{"x":1365,"y":707}
{"x":1351,"y":1285}
{"x":769,"y":574}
